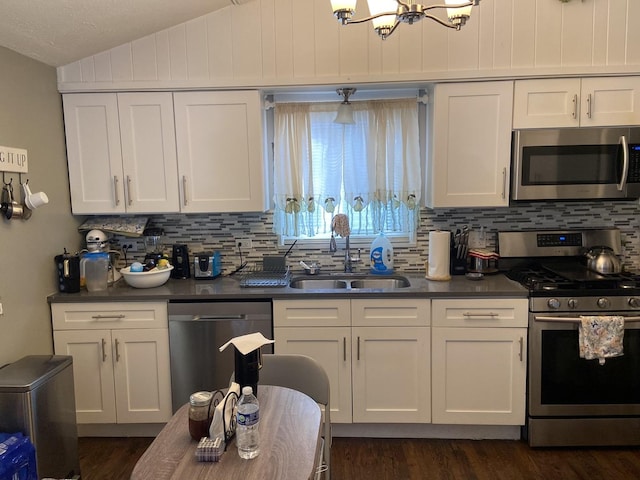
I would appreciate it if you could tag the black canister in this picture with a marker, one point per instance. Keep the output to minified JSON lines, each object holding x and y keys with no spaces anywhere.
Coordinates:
{"x":68,"y":267}
{"x":247,"y":369}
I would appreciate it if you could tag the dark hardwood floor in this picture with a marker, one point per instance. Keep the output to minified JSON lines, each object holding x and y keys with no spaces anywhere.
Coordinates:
{"x":408,"y":459}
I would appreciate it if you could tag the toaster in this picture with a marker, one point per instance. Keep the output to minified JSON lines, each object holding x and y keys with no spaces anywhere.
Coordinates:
{"x":206,"y":265}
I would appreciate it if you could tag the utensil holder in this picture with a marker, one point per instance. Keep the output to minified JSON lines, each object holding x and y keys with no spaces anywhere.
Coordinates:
{"x":458,"y":266}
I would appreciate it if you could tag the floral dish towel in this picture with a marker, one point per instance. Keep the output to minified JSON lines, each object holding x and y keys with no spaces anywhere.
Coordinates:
{"x":600,"y":336}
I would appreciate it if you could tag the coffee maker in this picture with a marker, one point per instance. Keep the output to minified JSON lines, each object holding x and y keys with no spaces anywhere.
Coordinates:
{"x":68,"y":267}
{"x":180,"y":262}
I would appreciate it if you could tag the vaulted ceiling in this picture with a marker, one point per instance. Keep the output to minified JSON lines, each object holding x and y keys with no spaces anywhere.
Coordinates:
{"x":58,"y":32}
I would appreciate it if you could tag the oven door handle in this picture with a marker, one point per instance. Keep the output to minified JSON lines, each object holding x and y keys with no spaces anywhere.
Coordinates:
{"x":575,"y":319}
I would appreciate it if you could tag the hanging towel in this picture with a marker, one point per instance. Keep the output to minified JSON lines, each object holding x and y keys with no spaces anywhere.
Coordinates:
{"x":600,"y":337}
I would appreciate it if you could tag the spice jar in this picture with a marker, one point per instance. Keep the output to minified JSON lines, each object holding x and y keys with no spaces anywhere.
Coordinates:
{"x":199,"y":414}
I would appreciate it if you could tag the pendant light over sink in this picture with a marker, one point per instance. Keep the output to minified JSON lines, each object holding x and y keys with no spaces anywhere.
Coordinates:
{"x":345,"y":110}
{"x":386,"y":15}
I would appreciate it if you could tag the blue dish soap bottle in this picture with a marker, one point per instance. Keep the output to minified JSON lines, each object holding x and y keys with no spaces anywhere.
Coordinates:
{"x":381,"y":256}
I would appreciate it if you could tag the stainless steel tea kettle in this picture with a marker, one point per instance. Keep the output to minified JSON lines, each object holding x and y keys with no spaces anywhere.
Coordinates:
{"x":603,"y":260}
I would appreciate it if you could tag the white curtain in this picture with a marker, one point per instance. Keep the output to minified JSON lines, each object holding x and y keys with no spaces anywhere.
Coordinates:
{"x":369,"y":170}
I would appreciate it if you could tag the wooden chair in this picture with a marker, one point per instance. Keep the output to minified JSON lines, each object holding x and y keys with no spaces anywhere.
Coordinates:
{"x":306,"y":375}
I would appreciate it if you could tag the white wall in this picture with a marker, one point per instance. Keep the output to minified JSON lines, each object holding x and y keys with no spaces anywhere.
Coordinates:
{"x":31,"y":118}
{"x":280,"y":43}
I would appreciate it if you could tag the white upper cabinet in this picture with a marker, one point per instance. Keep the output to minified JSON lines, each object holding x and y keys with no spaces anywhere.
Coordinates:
{"x":470,"y":150}
{"x":131,"y":153}
{"x":574,"y":102}
{"x":121,"y":152}
{"x":94,"y":153}
{"x":219,"y":138}
{"x":147,"y":136}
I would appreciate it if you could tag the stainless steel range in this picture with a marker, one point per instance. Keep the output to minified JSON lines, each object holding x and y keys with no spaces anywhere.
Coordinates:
{"x":572,"y":401}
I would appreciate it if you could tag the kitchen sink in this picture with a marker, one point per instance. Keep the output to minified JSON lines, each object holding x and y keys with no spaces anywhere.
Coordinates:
{"x":349,"y":282}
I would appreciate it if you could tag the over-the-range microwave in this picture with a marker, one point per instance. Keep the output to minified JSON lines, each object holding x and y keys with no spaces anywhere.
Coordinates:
{"x":576,"y":163}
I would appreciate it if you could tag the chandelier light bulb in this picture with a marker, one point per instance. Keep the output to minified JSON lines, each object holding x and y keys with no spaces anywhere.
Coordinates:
{"x":345,"y":110}
{"x":344,"y":9}
{"x":458,"y":15}
{"x":383,"y":24}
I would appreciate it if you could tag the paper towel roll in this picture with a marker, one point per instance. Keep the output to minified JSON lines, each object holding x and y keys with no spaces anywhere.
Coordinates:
{"x":439,"y":255}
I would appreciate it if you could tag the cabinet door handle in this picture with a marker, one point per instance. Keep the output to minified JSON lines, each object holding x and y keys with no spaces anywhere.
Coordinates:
{"x":480,"y":314}
{"x":102,"y":317}
{"x":184,"y":190}
{"x":130,"y":200}
{"x":344,"y":349}
{"x":575,"y":106}
{"x":117,"y":350}
{"x":104,"y":350}
{"x":589,"y":106}
{"x":358,"y":348}
{"x":115,"y":190}
{"x":521,"y":348}
{"x":504,"y":182}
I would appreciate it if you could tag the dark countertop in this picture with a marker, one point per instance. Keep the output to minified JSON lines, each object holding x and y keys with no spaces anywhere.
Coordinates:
{"x":228,"y":288}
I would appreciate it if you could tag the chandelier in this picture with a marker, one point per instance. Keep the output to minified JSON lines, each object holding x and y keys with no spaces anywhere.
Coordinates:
{"x":386,"y":15}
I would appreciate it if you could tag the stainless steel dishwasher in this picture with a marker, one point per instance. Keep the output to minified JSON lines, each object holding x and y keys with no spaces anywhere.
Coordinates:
{"x":196,"y":332}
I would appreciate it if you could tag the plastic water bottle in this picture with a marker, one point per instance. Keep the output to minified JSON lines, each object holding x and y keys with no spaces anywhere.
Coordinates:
{"x":248,"y":419}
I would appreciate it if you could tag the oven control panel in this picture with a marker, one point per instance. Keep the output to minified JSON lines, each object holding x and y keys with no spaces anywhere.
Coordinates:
{"x":586,"y":305}
{"x":559,"y":239}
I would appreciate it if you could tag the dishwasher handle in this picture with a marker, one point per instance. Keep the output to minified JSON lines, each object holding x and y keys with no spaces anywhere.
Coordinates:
{"x":218,"y":317}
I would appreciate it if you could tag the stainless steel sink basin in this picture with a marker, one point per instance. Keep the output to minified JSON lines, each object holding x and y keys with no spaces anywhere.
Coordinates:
{"x":349,"y":282}
{"x":318,"y":283}
{"x":386,"y":283}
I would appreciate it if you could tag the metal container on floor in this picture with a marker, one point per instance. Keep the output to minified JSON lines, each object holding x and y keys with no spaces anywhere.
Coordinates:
{"x":37,"y":399}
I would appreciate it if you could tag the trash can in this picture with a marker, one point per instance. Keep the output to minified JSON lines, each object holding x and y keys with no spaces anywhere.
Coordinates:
{"x":37,"y":400}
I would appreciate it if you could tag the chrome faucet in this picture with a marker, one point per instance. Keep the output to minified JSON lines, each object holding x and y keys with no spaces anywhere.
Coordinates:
{"x":349,"y":260}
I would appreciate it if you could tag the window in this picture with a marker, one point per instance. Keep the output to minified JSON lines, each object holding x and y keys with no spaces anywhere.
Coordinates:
{"x":370,"y":170}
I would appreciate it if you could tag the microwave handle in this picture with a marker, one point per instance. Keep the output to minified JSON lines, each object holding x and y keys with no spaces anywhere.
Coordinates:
{"x":625,"y":163}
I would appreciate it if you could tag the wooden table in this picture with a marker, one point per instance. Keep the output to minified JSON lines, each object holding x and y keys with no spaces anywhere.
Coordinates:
{"x":290,"y":426}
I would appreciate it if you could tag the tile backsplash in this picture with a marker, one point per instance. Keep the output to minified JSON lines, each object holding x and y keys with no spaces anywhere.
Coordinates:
{"x":209,"y":232}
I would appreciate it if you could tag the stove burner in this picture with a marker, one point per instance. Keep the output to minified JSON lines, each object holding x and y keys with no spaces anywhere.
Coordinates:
{"x":572,"y":278}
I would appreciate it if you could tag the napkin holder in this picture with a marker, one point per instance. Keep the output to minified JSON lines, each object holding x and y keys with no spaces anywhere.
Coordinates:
{"x":230,"y":400}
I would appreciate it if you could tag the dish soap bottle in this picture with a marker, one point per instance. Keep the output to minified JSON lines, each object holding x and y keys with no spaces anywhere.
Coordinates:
{"x":381,"y":256}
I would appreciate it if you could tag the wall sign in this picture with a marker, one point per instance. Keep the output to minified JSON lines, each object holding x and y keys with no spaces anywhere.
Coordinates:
{"x":13,"y":160}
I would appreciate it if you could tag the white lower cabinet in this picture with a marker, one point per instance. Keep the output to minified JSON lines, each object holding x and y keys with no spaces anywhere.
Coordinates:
{"x":120,"y":360}
{"x":390,"y":375}
{"x":479,"y":361}
{"x":376,"y":353}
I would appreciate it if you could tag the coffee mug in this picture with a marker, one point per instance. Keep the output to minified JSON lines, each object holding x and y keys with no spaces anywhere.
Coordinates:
{"x":36,"y":200}
{"x":33,"y":200}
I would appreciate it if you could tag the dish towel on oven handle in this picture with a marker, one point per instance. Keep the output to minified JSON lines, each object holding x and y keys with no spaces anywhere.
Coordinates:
{"x":600,"y":336}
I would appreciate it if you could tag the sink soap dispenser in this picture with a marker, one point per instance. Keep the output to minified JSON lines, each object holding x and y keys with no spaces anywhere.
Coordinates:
{"x":381,"y":256}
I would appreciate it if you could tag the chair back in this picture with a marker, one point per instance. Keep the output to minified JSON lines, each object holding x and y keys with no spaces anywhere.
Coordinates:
{"x":305,"y":375}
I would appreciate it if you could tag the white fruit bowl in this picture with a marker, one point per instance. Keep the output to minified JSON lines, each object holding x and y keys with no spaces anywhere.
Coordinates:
{"x":153,"y":278}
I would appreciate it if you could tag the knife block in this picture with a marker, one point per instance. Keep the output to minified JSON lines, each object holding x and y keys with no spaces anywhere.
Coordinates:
{"x":457,"y":266}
